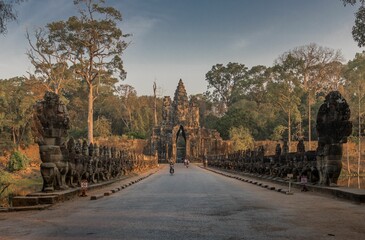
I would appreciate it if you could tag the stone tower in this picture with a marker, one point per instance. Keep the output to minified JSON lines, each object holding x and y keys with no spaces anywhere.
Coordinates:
{"x":179,"y":134}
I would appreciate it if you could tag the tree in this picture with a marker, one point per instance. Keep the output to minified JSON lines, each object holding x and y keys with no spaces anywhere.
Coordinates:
{"x":16,"y":104}
{"x":317,"y":69}
{"x":242,"y":138}
{"x":254,"y":88}
{"x":93,"y":44}
{"x":278,"y":133}
{"x":283,"y":91}
{"x":224,"y":82}
{"x":7,"y":13}
{"x":354,"y":73}
{"x":50,"y":62}
{"x":128,"y":96}
{"x":102,"y":127}
{"x":358,"y":30}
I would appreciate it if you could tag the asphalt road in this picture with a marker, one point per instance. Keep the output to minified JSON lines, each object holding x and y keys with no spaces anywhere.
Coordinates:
{"x":192,"y":204}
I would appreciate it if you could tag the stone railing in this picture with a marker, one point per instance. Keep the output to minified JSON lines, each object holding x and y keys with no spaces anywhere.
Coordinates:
{"x":294,"y":163}
{"x":65,"y":163}
{"x":81,"y":161}
{"x":323,"y":166}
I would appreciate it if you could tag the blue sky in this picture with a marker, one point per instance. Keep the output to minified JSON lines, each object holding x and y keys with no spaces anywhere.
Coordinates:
{"x":175,"y":39}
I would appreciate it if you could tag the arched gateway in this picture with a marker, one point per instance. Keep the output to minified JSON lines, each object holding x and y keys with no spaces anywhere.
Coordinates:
{"x":180,"y":134}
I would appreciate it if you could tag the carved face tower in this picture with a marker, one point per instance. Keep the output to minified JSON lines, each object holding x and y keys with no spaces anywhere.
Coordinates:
{"x":180,"y":134}
{"x":180,"y":105}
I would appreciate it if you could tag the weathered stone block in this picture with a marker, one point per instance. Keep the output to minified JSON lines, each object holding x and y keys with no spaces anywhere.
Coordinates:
{"x":21,"y":201}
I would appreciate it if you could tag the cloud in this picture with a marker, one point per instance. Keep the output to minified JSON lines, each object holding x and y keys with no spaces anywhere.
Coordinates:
{"x":240,"y":43}
{"x":140,"y":26}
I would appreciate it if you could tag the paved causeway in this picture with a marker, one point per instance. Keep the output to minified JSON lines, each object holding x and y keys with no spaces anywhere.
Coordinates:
{"x":192,"y":204}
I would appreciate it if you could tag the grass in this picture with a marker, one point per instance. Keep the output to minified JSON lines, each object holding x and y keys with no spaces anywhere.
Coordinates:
{"x":21,"y":183}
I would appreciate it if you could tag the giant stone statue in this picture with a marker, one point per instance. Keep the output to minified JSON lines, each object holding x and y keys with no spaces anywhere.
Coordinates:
{"x":52,"y":121}
{"x":333,"y":128}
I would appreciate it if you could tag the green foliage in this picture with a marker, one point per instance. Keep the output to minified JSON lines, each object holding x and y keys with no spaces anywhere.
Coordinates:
{"x":211,"y":122}
{"x":6,"y":182}
{"x":78,"y":133}
{"x":7,"y":13}
{"x":225,"y":82}
{"x":278,"y":133}
{"x":102,"y":127}
{"x":358,"y":30}
{"x":136,"y":135}
{"x":16,"y":104}
{"x":354,"y":74}
{"x":17,"y":161}
{"x":242,"y":138}
{"x":352,"y":2}
{"x":93,"y":43}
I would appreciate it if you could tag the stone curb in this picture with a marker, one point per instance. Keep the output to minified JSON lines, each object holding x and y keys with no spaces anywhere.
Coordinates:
{"x":96,"y":197}
{"x":356,"y":196}
{"x":110,"y":192}
{"x":250,"y":181}
{"x":48,"y":201}
{"x":27,"y":208}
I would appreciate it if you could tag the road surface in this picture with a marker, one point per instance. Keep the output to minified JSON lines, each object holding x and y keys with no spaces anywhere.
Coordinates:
{"x":192,"y":204}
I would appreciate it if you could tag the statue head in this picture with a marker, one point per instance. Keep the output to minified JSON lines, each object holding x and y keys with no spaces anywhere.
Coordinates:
{"x":96,"y":150}
{"x":51,"y":98}
{"x":71,"y":146}
{"x":91,"y":149}
{"x":85,"y":148}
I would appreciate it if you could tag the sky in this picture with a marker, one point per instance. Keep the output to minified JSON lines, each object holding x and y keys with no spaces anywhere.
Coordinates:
{"x":183,"y":39}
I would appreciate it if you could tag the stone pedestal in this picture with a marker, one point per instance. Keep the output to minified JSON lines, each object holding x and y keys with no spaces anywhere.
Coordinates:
{"x":49,"y":173}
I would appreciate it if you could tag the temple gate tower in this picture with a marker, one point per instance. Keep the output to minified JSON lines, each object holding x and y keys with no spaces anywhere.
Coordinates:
{"x":179,"y":134}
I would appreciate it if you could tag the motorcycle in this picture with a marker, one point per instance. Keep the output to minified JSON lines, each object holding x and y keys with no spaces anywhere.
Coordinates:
{"x":186,"y":163}
{"x":172,"y":170}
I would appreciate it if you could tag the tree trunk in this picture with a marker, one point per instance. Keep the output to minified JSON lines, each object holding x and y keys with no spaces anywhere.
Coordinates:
{"x":155,"y":105}
{"x":348,"y":159}
{"x":359,"y":160}
{"x":309,"y":124}
{"x":90,"y":125}
{"x":289,"y":129}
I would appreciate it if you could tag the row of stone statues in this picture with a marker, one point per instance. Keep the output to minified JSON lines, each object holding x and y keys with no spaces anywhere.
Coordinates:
{"x":79,"y":161}
{"x":296,"y":164}
{"x":66,"y":162}
{"x":322,"y":166}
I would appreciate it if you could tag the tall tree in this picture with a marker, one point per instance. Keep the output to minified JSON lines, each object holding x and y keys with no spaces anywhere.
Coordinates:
{"x":7,"y":13}
{"x":358,"y":30}
{"x":317,"y":68}
{"x":16,"y":107}
{"x":254,"y":88}
{"x":93,"y":44}
{"x":128,"y":96}
{"x":224,"y":81}
{"x":50,"y":62}
{"x":283,"y":91}
{"x":355,"y":84}
{"x":242,"y":138}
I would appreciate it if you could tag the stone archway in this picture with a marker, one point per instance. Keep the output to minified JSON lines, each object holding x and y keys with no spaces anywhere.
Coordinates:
{"x":180,"y":143}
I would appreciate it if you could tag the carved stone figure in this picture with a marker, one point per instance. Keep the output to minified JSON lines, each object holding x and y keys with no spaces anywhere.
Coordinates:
{"x":52,"y":122}
{"x":333,"y":128}
{"x":278,"y":150}
{"x":194,"y":112}
{"x":285,"y":148}
{"x":166,"y":117}
{"x":300,"y":147}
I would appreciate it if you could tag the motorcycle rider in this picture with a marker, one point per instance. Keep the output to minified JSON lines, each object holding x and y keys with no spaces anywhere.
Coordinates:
{"x":186,"y":162}
{"x":172,"y":170}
